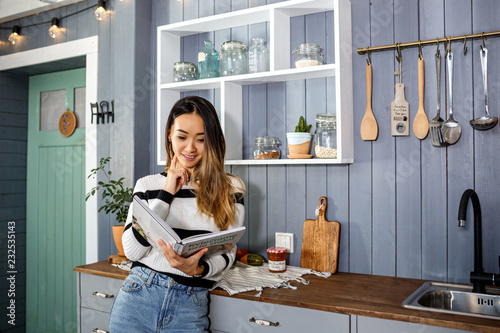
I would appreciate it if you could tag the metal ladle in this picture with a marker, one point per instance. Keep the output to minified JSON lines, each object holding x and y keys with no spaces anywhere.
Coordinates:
{"x":485,"y":122}
{"x":451,"y":128}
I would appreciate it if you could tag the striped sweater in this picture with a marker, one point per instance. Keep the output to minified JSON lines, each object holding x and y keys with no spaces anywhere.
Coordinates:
{"x":180,"y":211}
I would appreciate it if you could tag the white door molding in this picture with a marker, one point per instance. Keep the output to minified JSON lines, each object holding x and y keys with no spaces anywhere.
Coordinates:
{"x":87,"y":47}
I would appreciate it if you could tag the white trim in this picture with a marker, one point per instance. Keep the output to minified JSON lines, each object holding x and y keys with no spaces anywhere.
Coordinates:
{"x":83,"y":47}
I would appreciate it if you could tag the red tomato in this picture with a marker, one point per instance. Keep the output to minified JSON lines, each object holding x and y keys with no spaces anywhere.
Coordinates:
{"x":241,"y":252}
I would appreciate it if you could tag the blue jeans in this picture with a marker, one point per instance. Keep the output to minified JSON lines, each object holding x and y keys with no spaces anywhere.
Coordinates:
{"x":153,"y":302}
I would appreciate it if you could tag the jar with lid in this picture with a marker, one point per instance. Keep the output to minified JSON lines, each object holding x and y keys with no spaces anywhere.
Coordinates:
{"x":184,"y":71}
{"x":258,"y":56}
{"x":266,"y":147}
{"x":277,"y":259}
{"x":308,"y":54}
{"x":325,"y":138}
{"x":208,"y":64}
{"x":233,"y":58}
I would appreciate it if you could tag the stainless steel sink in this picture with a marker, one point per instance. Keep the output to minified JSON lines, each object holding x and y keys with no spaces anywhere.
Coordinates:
{"x":456,"y":299}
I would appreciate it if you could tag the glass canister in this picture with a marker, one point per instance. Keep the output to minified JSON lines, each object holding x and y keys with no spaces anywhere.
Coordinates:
{"x":308,"y":54}
{"x":208,"y":64}
{"x":233,"y":58}
{"x":258,"y":56}
{"x":266,"y":148}
{"x":325,"y":138}
{"x":184,"y":71}
{"x":276,"y":259}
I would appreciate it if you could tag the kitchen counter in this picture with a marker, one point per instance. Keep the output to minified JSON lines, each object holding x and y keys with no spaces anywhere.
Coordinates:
{"x":347,"y":293}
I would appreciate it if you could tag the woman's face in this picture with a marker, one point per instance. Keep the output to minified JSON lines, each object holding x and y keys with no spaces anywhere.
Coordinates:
{"x":187,"y":135}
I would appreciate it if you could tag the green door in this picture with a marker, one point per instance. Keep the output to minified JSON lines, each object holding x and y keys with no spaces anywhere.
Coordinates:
{"x":55,"y":232}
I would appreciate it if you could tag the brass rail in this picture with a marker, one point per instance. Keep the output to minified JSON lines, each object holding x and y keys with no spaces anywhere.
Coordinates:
{"x":420,"y":43}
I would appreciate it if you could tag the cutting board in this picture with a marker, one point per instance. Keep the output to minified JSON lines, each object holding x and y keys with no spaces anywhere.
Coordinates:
{"x":320,"y":242}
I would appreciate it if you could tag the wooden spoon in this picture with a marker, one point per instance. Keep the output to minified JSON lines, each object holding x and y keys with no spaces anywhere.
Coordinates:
{"x":421,"y":122}
{"x":369,"y":127}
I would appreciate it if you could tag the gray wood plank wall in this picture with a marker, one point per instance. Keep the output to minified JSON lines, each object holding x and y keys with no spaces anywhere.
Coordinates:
{"x":398,"y":202}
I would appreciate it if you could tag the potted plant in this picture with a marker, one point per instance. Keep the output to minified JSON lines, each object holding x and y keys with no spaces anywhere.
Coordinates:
{"x":116,"y":198}
{"x":299,"y":141}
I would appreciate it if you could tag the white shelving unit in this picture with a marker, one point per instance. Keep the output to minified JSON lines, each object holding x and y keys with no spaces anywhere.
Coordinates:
{"x":278,"y":15}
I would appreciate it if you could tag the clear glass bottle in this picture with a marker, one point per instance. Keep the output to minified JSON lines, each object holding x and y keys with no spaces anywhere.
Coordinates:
{"x":258,"y":56}
{"x":232,"y":58}
{"x":208,"y":64}
{"x":308,"y":54}
{"x":184,"y":71}
{"x":325,"y":138}
{"x":266,"y":148}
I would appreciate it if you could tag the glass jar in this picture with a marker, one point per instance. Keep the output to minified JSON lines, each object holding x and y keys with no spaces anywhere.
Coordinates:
{"x":208,"y":64}
{"x":266,"y":148}
{"x":258,"y":56}
{"x":184,"y":71}
{"x":233,"y":58}
{"x":308,"y":55}
{"x":276,"y":257}
{"x":325,"y":138}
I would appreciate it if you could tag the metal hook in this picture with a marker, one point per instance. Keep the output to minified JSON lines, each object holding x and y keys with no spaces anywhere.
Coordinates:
{"x":368,"y":60}
{"x":483,"y":38}
{"x":420,"y":56}
{"x":465,"y":44}
{"x":399,"y":57}
{"x":448,"y":45}
{"x":438,"y":53}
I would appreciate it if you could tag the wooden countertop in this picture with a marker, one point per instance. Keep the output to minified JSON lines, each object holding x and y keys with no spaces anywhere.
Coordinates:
{"x":347,"y":293}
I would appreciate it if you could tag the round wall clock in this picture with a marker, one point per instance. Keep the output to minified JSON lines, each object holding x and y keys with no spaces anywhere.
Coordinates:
{"x":67,"y":123}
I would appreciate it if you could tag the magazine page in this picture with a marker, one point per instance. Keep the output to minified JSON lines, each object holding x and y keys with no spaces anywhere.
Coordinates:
{"x":150,"y":225}
{"x":215,"y":241}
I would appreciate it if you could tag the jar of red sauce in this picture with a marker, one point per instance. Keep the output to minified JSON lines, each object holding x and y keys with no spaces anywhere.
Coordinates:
{"x":277,"y":259}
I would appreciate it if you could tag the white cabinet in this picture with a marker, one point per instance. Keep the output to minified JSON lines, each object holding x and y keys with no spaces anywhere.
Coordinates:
{"x":235,"y":315}
{"x":376,"y":325}
{"x":230,"y":88}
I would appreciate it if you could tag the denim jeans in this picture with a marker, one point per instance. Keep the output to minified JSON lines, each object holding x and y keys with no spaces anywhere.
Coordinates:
{"x":153,"y":302}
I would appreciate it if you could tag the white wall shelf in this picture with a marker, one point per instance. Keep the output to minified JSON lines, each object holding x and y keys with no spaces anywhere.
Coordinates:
{"x":230,"y":88}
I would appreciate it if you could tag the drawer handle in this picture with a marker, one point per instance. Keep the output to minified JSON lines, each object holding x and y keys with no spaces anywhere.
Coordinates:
{"x":103,"y":295}
{"x":99,"y":330}
{"x":263,"y":322}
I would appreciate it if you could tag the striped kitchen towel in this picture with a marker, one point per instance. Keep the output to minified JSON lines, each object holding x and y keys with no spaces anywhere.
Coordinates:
{"x":242,"y":277}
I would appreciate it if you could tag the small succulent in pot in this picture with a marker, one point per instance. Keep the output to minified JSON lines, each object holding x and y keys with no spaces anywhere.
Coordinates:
{"x":299,"y":141}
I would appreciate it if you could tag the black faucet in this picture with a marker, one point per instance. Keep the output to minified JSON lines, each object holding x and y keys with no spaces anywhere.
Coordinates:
{"x":477,"y":277}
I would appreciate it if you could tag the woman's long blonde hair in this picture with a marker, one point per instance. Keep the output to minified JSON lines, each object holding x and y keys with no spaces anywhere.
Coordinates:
{"x":216,"y":194}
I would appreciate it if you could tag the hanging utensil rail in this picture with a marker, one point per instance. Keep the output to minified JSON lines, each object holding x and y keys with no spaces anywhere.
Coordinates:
{"x":463,"y":38}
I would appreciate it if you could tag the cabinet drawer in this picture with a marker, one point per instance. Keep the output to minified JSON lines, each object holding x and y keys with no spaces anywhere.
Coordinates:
{"x":91,"y":284}
{"x":91,"y":320}
{"x":233,"y":315}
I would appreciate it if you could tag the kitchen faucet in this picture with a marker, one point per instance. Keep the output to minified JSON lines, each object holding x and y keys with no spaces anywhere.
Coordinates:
{"x":477,"y":277}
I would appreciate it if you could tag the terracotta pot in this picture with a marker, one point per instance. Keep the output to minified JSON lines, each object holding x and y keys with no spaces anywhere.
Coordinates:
{"x":117,"y":235}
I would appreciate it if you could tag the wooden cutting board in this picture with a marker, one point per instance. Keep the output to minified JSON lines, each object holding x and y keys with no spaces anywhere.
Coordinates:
{"x":320,"y":242}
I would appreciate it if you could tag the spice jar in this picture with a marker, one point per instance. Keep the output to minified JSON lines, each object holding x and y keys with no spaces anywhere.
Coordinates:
{"x":308,"y":54}
{"x":277,"y":259}
{"x":266,"y":147}
{"x":325,"y":138}
{"x":233,"y":58}
{"x":184,"y":71}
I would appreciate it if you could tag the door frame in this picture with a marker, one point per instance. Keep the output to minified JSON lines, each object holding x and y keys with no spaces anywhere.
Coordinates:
{"x":87,"y":47}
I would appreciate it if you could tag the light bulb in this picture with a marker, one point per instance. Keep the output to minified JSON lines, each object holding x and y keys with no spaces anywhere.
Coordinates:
{"x":14,"y":36}
{"x":100,"y":11}
{"x":54,"y":28}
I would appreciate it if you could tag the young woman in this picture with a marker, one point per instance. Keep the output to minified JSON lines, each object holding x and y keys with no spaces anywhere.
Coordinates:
{"x":165,"y":292}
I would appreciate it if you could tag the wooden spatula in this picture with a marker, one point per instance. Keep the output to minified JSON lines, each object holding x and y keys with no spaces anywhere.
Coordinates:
{"x":369,"y":127}
{"x":320,"y":242}
{"x":421,"y":122}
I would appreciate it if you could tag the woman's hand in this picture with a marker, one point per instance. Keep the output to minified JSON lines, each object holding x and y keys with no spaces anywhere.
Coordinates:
{"x":190,"y":265}
{"x":176,"y":177}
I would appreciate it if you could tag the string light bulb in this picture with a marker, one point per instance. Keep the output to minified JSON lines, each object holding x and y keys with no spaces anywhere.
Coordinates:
{"x":16,"y":30}
{"x":100,"y":11}
{"x":54,"y":29}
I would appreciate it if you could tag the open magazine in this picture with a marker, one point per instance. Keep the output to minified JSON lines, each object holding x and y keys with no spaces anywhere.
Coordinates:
{"x":152,"y":227}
